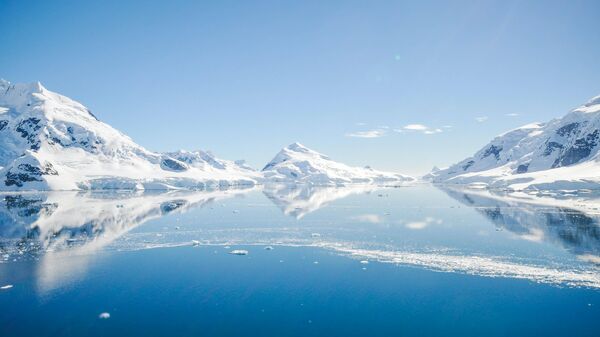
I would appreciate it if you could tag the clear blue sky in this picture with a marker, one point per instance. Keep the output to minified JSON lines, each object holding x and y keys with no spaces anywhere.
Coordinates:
{"x":245,"y":78}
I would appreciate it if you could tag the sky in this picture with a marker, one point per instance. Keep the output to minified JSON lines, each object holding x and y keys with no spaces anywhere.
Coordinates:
{"x":397,"y":85}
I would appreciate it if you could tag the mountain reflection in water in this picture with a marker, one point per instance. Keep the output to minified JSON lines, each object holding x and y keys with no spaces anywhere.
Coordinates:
{"x":64,"y":230}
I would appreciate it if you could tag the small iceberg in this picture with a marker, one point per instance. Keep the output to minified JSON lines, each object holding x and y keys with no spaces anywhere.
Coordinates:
{"x":5,"y":287}
{"x":104,"y":315}
{"x":238,"y":252}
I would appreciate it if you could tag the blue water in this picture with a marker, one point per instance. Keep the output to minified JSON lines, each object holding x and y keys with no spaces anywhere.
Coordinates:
{"x":415,"y":261}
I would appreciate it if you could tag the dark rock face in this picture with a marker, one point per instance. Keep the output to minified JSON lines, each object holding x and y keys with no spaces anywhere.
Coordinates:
{"x":523,"y":168}
{"x":3,"y":125}
{"x":468,"y":164}
{"x":28,"y":173}
{"x":91,"y":114}
{"x":567,"y":130}
{"x":551,"y":146}
{"x":581,"y":149}
{"x":495,"y":150}
{"x":28,"y":129}
{"x":173,"y":165}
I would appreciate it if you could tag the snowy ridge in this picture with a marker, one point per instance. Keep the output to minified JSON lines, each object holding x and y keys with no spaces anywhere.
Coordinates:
{"x":560,"y":154}
{"x":299,"y":164}
{"x":50,"y":142}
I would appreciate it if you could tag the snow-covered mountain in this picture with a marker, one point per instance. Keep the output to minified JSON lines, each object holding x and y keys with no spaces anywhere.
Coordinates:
{"x":299,"y":164}
{"x":560,"y":154}
{"x":50,"y":142}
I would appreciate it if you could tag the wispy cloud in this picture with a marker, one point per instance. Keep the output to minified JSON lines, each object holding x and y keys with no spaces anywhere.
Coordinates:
{"x":512,"y":115}
{"x":371,"y":218}
{"x":376,"y":133}
{"x":419,"y":128}
{"x":415,"y":127}
{"x":481,"y":119}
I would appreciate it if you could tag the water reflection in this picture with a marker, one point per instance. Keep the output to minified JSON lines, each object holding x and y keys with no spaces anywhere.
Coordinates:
{"x":572,"y":223}
{"x":298,"y":201}
{"x":64,"y":230}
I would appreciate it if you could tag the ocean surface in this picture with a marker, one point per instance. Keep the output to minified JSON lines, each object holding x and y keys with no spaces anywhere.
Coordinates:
{"x":300,"y":261}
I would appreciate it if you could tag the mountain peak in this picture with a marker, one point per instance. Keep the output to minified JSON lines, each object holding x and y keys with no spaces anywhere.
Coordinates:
{"x":299,"y":164}
{"x":297,"y":147}
{"x":19,"y":93}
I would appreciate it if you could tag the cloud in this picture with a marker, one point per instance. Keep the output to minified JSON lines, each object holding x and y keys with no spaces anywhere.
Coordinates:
{"x":481,"y":119}
{"x":371,"y":218}
{"x":432,"y":131}
{"x":360,"y":124}
{"x":367,"y":134}
{"x":424,"y":129}
{"x":415,"y":127}
{"x":512,"y":115}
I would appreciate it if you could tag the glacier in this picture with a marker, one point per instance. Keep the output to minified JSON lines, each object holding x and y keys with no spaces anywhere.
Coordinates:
{"x":51,"y":142}
{"x":298,"y":164}
{"x":560,"y":154}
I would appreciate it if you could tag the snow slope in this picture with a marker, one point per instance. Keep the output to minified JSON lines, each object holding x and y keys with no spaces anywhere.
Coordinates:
{"x":560,"y":154}
{"x":50,"y":142}
{"x":299,"y":164}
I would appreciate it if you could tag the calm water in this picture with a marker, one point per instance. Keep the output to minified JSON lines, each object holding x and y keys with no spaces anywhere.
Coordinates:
{"x":358,"y":261}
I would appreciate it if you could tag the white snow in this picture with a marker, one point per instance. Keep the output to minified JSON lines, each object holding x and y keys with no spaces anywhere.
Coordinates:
{"x":50,"y":142}
{"x":40,"y":129}
{"x":560,"y":154}
{"x":299,"y":164}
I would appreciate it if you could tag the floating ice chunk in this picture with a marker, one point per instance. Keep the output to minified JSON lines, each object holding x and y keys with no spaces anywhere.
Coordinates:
{"x":316,"y":262}
{"x":268,"y":248}
{"x":8,"y":286}
{"x":104,"y":315}
{"x":195,"y":243}
{"x":315,"y":235}
{"x":239,"y":252}
{"x":235,"y":211}
{"x":177,"y":228}
{"x":364,"y":262}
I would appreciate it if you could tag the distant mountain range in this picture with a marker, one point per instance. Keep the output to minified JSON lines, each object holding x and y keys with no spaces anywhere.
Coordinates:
{"x":560,"y":154}
{"x":50,"y":142}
